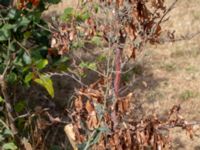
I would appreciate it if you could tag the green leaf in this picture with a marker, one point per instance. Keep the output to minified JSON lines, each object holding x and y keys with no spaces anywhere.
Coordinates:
{"x":46,"y":82}
{"x":28,"y":77}
{"x":96,"y":40}
{"x":63,"y":59}
{"x":96,"y":7}
{"x":40,"y":64}
{"x":68,"y":13}
{"x":11,"y":78}
{"x":101,"y":58}
{"x":20,"y":106}
{"x":83,"y":16}
{"x":9,"y":146}
{"x":1,"y":100}
{"x":22,"y":21}
{"x":7,"y":133}
{"x":27,"y":34}
{"x":13,"y":13}
{"x":88,"y":65}
{"x":26,"y":59}
{"x":5,"y":32}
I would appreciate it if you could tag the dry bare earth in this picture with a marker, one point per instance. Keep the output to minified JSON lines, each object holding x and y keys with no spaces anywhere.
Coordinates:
{"x":170,"y":72}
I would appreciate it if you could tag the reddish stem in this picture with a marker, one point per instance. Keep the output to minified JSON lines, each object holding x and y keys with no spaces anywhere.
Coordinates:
{"x":118,"y":71}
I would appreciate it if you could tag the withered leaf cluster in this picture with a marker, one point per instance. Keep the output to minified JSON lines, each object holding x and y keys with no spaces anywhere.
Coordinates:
{"x":94,"y":118}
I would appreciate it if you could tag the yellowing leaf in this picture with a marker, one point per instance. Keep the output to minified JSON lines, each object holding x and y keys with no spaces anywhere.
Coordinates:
{"x":46,"y":82}
{"x":41,"y":63}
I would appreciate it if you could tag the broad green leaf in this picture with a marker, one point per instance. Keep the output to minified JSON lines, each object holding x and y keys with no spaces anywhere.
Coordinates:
{"x":26,"y":59}
{"x":7,"y":133}
{"x":28,"y":77}
{"x":83,"y":16}
{"x":27,"y":34}
{"x":5,"y":31}
{"x":13,"y":14}
{"x":18,"y":61}
{"x":25,"y":68}
{"x":9,"y":146}
{"x":40,"y":64}
{"x":23,"y":21}
{"x":68,"y":13}
{"x":46,"y":82}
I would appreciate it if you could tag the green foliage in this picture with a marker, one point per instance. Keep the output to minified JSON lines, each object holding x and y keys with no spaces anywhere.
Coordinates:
{"x":24,"y":40}
{"x":46,"y":82}
{"x":88,"y":65}
{"x":9,"y":146}
{"x":70,"y":13}
{"x":20,"y":106}
{"x":1,"y":100}
{"x":5,"y":136}
{"x":24,"y":43}
{"x":96,"y":40}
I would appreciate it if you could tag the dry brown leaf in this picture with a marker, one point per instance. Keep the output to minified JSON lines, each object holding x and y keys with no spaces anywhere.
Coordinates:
{"x":120,"y":106}
{"x":126,"y":101}
{"x":92,"y":121}
{"x":78,"y":104}
{"x":26,"y":144}
{"x":89,"y":107}
{"x":69,"y":131}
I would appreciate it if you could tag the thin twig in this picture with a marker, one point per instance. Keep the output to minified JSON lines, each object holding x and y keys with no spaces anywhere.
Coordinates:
{"x":22,"y":116}
{"x":68,"y":75}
